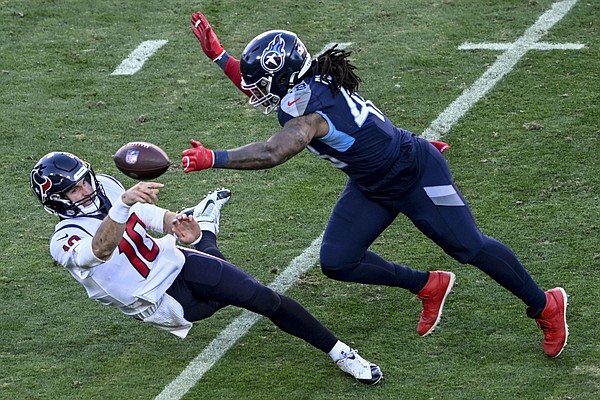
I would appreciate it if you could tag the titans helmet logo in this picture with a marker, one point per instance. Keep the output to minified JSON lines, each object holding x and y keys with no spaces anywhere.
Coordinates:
{"x":273,"y":57}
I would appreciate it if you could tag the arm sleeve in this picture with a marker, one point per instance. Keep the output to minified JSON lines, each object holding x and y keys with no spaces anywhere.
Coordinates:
{"x":152,"y":216}
{"x":231,"y":66}
{"x":72,"y":248}
{"x":83,"y":255}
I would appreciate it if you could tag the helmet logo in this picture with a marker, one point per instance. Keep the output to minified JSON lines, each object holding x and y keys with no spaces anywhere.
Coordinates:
{"x":273,"y":57}
{"x":43,"y":187}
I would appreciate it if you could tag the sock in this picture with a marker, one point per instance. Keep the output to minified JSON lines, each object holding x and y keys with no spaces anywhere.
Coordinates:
{"x":535,"y":313}
{"x":338,"y":349}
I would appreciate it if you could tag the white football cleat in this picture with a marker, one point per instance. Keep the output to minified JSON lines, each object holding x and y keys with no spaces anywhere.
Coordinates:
{"x":208,"y":211}
{"x":362,"y":370}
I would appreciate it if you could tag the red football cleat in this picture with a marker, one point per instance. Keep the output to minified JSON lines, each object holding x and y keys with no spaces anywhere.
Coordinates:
{"x":434,"y":295}
{"x":553,"y":322}
{"x":441,"y":146}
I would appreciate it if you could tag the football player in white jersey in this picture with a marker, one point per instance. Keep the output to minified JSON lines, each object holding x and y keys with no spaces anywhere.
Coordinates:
{"x":102,"y":240}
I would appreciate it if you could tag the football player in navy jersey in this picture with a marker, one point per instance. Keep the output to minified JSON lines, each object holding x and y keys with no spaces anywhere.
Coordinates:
{"x":390,"y":171}
{"x":101,"y":239}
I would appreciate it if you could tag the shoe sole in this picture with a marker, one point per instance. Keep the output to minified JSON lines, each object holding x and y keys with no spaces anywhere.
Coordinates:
{"x":221,"y":191}
{"x":439,"y":317}
{"x":565,"y":303}
{"x":378,"y":380}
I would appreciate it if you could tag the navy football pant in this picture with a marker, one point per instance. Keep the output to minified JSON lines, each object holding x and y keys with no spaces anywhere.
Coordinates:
{"x":438,"y":209}
{"x":207,"y":283}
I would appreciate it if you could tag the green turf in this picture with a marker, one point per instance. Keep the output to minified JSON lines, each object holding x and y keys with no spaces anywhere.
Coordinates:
{"x":538,"y":190}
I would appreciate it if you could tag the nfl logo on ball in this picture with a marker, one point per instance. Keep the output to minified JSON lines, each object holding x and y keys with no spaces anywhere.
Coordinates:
{"x":132,"y":156}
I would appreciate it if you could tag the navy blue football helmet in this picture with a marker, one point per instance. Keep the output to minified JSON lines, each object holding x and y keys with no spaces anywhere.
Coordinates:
{"x":271,"y":64}
{"x":55,"y":174}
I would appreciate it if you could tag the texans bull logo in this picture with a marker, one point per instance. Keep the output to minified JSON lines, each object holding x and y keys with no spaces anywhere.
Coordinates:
{"x":273,"y":57}
{"x":42,"y":187}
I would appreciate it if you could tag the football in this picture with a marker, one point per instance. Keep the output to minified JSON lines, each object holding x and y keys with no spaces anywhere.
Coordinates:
{"x":141,"y":160}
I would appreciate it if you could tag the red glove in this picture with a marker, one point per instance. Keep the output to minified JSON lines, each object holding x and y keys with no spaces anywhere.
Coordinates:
{"x":441,"y":146}
{"x":206,"y":36}
{"x":197,"y":158}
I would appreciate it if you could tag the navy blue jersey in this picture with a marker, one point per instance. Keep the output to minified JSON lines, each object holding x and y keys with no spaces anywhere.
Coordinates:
{"x":382,"y":159}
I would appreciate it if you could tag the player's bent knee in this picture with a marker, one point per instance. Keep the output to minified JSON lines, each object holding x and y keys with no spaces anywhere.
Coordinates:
{"x":265,"y":301}
{"x":467,"y":254}
{"x":339,"y":272}
{"x":334,"y":261}
{"x":331,"y":273}
{"x":465,"y":251}
{"x":464,"y":257}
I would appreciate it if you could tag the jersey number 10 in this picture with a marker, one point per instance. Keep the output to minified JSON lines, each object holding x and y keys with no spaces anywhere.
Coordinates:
{"x":145,"y":253}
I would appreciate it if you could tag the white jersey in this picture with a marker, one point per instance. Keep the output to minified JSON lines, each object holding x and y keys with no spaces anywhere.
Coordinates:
{"x":141,"y":269}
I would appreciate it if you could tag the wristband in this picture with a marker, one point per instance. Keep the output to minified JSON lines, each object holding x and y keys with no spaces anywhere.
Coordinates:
{"x":119,"y":212}
{"x":222,"y":59}
{"x":221,"y":158}
{"x":195,"y":242}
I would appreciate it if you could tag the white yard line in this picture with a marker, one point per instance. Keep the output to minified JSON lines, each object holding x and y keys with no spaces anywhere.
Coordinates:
{"x":136,"y":59}
{"x":503,"y":65}
{"x":238,"y":328}
{"x":534,"y":46}
{"x":229,"y":336}
{"x":340,"y":46}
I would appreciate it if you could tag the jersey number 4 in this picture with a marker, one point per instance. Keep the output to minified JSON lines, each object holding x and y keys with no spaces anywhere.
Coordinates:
{"x":146,"y":254}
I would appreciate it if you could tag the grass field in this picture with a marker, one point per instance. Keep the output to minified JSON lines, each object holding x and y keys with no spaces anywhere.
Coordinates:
{"x":525,"y":156}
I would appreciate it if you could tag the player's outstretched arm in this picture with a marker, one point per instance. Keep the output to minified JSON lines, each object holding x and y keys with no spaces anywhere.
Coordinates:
{"x":211,"y":46}
{"x":295,"y":135}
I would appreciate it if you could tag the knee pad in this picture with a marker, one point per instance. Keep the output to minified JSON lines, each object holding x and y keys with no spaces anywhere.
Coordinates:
{"x":265,"y":301}
{"x":465,"y":256}
{"x":471,"y":253}
{"x":339,"y":272}
{"x":333,"y":265}
{"x":330,"y":273}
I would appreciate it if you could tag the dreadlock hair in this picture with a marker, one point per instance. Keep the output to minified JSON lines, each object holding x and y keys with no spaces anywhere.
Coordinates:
{"x":334,"y":64}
